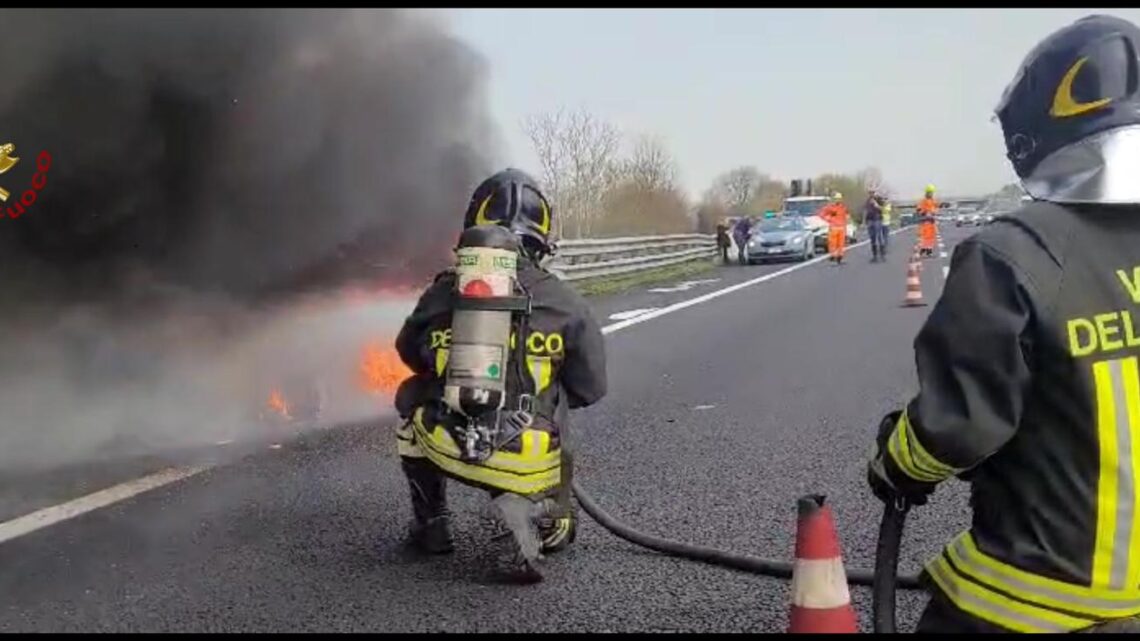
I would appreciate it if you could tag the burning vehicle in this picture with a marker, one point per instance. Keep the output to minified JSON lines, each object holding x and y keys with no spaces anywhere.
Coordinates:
{"x":301,"y":400}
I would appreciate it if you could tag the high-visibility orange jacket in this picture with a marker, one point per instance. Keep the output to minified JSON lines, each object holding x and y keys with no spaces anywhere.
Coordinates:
{"x":835,"y":215}
{"x":927,"y":206}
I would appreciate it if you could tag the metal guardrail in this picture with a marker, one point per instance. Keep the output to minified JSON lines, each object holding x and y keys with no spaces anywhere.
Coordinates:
{"x":596,"y":258}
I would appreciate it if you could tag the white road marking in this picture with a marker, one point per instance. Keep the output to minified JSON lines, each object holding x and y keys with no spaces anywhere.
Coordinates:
{"x":64,"y":511}
{"x":631,"y":313}
{"x":681,"y":287}
{"x":945,"y":271}
{"x":704,"y":407}
{"x":52,"y":515}
{"x":630,"y":322}
{"x":943,"y":255}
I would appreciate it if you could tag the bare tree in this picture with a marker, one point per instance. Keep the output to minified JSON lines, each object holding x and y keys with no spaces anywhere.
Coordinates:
{"x":870,"y":179}
{"x":650,"y":167}
{"x":578,"y":154}
{"x":738,"y":186}
{"x":546,"y":133}
{"x":769,"y":195}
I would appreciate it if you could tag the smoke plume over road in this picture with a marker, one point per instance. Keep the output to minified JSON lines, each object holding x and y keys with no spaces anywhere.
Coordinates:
{"x":209,"y":167}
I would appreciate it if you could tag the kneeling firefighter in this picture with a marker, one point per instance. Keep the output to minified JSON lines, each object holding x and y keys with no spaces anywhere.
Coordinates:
{"x":500,"y":349}
{"x":1028,"y":365}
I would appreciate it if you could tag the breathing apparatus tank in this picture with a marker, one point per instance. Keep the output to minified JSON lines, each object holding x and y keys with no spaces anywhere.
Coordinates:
{"x":481,"y":326}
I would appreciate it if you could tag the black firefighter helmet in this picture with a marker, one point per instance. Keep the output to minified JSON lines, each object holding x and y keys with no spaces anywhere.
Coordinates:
{"x":1079,"y":82}
{"x":513,"y":200}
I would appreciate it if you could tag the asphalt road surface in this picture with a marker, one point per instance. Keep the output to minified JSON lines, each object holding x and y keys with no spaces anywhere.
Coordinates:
{"x":720,"y":414}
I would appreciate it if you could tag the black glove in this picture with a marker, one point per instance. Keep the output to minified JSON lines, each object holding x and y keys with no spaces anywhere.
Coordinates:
{"x":886,"y":482}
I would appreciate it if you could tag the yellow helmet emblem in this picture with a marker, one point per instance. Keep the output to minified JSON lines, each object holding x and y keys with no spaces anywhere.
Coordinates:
{"x":481,"y":215}
{"x":1064,"y":105}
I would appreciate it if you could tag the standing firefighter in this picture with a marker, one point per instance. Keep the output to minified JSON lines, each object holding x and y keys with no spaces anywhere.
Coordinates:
{"x":927,"y":208}
{"x":1028,"y":365}
{"x":835,"y":215}
{"x":501,"y":350}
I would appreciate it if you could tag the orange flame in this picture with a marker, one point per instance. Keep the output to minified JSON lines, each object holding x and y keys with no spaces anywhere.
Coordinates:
{"x":278,"y":404}
{"x":381,"y":370}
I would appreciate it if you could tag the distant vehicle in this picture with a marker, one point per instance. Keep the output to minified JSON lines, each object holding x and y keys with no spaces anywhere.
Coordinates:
{"x":807,"y":207}
{"x":784,"y":237}
{"x":968,"y":220}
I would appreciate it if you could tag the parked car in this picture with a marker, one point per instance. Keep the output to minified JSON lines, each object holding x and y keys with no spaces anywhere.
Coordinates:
{"x":807,"y":207}
{"x":783,"y":237}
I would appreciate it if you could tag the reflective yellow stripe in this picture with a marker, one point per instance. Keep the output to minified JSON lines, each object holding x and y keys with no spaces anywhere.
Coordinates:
{"x":1097,"y":603}
{"x":903,"y":447}
{"x":921,"y":457}
{"x":408,"y":449}
{"x":441,"y":361}
{"x":1106,"y":481}
{"x":1114,"y":564}
{"x":532,"y":470}
{"x":540,"y":368}
{"x":406,"y":442}
{"x":996,"y":607}
{"x":517,"y":463}
{"x":526,"y":443}
{"x":1131,"y":371}
{"x":529,"y":484}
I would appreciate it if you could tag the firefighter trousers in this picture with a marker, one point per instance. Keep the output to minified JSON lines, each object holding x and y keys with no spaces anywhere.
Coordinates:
{"x":943,"y":617}
{"x":428,"y":484}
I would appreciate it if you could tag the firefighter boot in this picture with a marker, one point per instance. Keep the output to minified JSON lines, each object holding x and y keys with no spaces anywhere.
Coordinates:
{"x":558,"y":530}
{"x":558,"y":526}
{"x":430,"y":530}
{"x":516,"y":541}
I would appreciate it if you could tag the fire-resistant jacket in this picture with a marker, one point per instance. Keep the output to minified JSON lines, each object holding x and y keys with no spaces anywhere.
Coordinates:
{"x":565,"y":369}
{"x":1030,"y":390}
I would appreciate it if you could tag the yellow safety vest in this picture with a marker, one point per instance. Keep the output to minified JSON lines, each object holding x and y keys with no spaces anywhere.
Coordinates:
{"x":887,"y":215}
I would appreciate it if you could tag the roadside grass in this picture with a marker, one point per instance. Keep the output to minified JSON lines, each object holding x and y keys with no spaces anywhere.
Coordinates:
{"x":610,"y":285}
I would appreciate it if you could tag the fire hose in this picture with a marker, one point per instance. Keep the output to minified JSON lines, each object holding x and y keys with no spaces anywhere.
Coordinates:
{"x":890,"y":536}
{"x":481,"y":339}
{"x":886,"y":566}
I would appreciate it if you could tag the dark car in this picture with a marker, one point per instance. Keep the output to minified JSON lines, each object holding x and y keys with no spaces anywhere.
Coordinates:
{"x":783,"y":237}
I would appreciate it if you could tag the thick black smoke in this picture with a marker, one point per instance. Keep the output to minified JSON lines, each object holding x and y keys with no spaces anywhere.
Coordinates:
{"x":239,"y":151}
{"x":204,"y":160}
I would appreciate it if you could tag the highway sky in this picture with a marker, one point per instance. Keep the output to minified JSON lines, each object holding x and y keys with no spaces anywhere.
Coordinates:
{"x":794,"y":92}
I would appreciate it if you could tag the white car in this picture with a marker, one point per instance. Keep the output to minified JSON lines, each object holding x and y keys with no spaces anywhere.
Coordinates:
{"x":806,"y":207}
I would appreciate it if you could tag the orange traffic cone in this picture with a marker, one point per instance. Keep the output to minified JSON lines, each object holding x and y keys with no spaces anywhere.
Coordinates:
{"x":821,"y":602}
{"x":913,"y":285}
